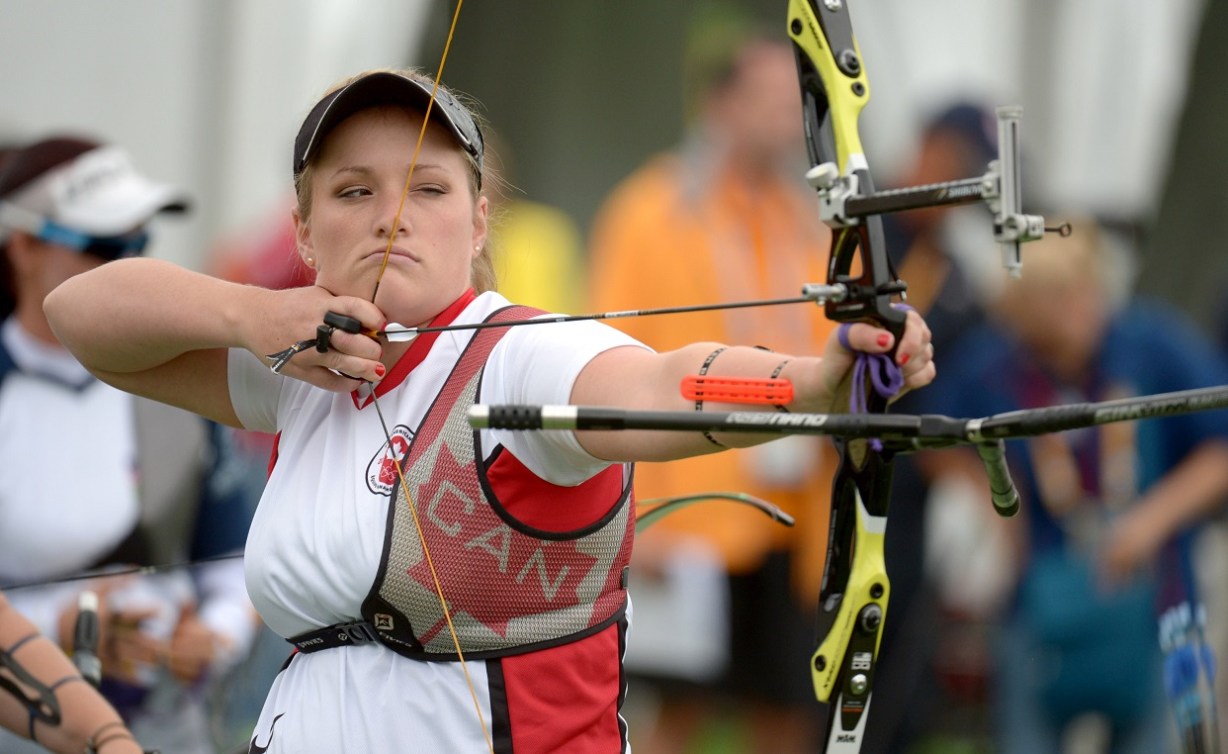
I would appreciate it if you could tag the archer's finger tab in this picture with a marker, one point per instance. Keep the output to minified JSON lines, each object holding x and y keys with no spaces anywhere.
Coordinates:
{"x":324,"y":334}
{"x":342,"y":322}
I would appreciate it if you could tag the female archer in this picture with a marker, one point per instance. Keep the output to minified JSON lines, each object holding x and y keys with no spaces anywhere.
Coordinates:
{"x":476,"y":602}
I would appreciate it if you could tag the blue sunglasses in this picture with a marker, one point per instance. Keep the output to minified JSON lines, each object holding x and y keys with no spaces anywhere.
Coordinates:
{"x":107,"y":247}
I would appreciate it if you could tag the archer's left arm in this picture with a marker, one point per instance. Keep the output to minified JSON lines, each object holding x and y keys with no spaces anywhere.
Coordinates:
{"x":635,"y":379}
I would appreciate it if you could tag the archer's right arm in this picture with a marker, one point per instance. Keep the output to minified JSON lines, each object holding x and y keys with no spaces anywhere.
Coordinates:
{"x":158,"y":330}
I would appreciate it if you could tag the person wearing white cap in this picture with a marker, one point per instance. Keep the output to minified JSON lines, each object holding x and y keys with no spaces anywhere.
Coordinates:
{"x":68,"y":204}
{"x":92,"y":478}
{"x":527,"y":534}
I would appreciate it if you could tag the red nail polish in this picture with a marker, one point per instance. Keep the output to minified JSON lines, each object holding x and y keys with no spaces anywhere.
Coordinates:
{"x":884,"y":339}
{"x":379,"y":370}
{"x":903,"y":359}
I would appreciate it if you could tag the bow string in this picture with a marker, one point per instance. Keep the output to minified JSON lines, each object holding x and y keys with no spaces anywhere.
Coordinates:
{"x":400,"y":472}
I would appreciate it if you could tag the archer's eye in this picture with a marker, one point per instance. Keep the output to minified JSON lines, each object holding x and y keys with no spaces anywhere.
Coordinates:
{"x":352,"y":192}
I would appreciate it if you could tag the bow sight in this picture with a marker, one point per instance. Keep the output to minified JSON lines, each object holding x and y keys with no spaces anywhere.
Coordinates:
{"x":842,"y":202}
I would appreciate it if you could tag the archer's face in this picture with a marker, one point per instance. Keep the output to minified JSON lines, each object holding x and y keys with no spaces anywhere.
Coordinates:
{"x":357,"y":185}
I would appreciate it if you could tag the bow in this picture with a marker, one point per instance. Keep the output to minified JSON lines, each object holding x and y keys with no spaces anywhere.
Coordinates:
{"x":855,"y":591}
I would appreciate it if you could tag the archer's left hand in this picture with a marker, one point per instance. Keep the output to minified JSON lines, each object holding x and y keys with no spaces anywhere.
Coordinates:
{"x":914,"y":356}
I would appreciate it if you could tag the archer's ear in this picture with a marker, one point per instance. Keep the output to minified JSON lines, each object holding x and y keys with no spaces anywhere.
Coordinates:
{"x":302,"y":239}
{"x":481,"y":224}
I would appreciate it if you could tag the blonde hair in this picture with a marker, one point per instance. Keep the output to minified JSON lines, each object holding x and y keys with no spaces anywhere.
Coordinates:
{"x":481,"y":176}
{"x":1080,"y":263}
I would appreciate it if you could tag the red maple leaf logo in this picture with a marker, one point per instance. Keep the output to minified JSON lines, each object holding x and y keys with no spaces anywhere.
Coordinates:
{"x":382,"y":475}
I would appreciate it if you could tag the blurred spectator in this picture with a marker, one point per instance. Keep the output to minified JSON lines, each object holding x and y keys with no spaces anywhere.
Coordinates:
{"x":725,"y":599}
{"x":929,"y":247}
{"x":145,"y":484}
{"x":1108,"y":511}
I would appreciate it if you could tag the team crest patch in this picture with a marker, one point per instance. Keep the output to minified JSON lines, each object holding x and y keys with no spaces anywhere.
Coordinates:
{"x":382,"y":471}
